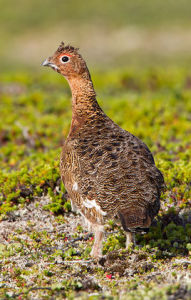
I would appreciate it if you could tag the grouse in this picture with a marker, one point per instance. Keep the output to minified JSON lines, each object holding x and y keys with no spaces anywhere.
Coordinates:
{"x":108,"y":172}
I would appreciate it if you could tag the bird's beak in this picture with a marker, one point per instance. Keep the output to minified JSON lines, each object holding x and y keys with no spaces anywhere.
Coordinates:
{"x":45,"y":63}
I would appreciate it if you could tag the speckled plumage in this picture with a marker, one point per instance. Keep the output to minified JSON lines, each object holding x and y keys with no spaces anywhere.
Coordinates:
{"x":106,"y":170}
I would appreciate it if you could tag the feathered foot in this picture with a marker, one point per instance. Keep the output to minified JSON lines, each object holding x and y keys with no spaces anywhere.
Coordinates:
{"x":130,"y":239}
{"x":98,"y":239}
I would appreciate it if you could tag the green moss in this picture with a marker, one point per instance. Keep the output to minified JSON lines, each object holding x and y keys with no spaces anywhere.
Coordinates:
{"x":152,"y":104}
{"x":114,"y":242}
{"x":158,"y":115}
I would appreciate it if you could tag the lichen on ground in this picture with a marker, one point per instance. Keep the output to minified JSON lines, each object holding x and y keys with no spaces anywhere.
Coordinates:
{"x":44,"y":247}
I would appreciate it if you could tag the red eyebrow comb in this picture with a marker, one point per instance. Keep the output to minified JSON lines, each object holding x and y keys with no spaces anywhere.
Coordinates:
{"x":65,"y":54}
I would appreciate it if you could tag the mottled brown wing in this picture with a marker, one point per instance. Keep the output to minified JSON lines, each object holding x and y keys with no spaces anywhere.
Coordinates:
{"x":117,"y":170}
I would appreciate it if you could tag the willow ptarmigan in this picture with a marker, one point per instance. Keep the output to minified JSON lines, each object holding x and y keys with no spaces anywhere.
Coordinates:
{"x":107,"y":171}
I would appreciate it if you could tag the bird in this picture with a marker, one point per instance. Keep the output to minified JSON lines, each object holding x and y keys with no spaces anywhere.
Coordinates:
{"x":107,"y":172}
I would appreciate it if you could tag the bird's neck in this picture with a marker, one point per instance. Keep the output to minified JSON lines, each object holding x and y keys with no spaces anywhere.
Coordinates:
{"x":84,"y":103}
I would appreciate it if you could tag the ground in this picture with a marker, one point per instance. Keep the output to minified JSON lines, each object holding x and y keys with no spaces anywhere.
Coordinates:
{"x":44,"y":247}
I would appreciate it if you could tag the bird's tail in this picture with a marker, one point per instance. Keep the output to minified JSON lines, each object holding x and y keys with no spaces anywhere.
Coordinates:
{"x":134,"y":219}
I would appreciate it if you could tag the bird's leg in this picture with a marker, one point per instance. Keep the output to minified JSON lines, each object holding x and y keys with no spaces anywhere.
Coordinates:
{"x":98,"y":239}
{"x":130,"y":239}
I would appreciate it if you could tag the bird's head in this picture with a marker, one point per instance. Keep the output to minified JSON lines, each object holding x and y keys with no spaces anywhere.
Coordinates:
{"x":67,"y":61}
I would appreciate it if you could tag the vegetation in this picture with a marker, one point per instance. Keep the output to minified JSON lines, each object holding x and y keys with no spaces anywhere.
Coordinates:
{"x":45,"y":250}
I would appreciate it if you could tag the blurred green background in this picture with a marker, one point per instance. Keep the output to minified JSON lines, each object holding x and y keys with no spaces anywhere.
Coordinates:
{"x":109,"y":33}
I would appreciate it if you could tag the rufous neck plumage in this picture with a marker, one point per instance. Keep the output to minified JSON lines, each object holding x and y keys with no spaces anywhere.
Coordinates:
{"x":83,"y":96}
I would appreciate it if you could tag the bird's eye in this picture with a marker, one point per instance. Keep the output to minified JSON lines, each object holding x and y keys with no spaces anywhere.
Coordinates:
{"x":65,"y":59}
